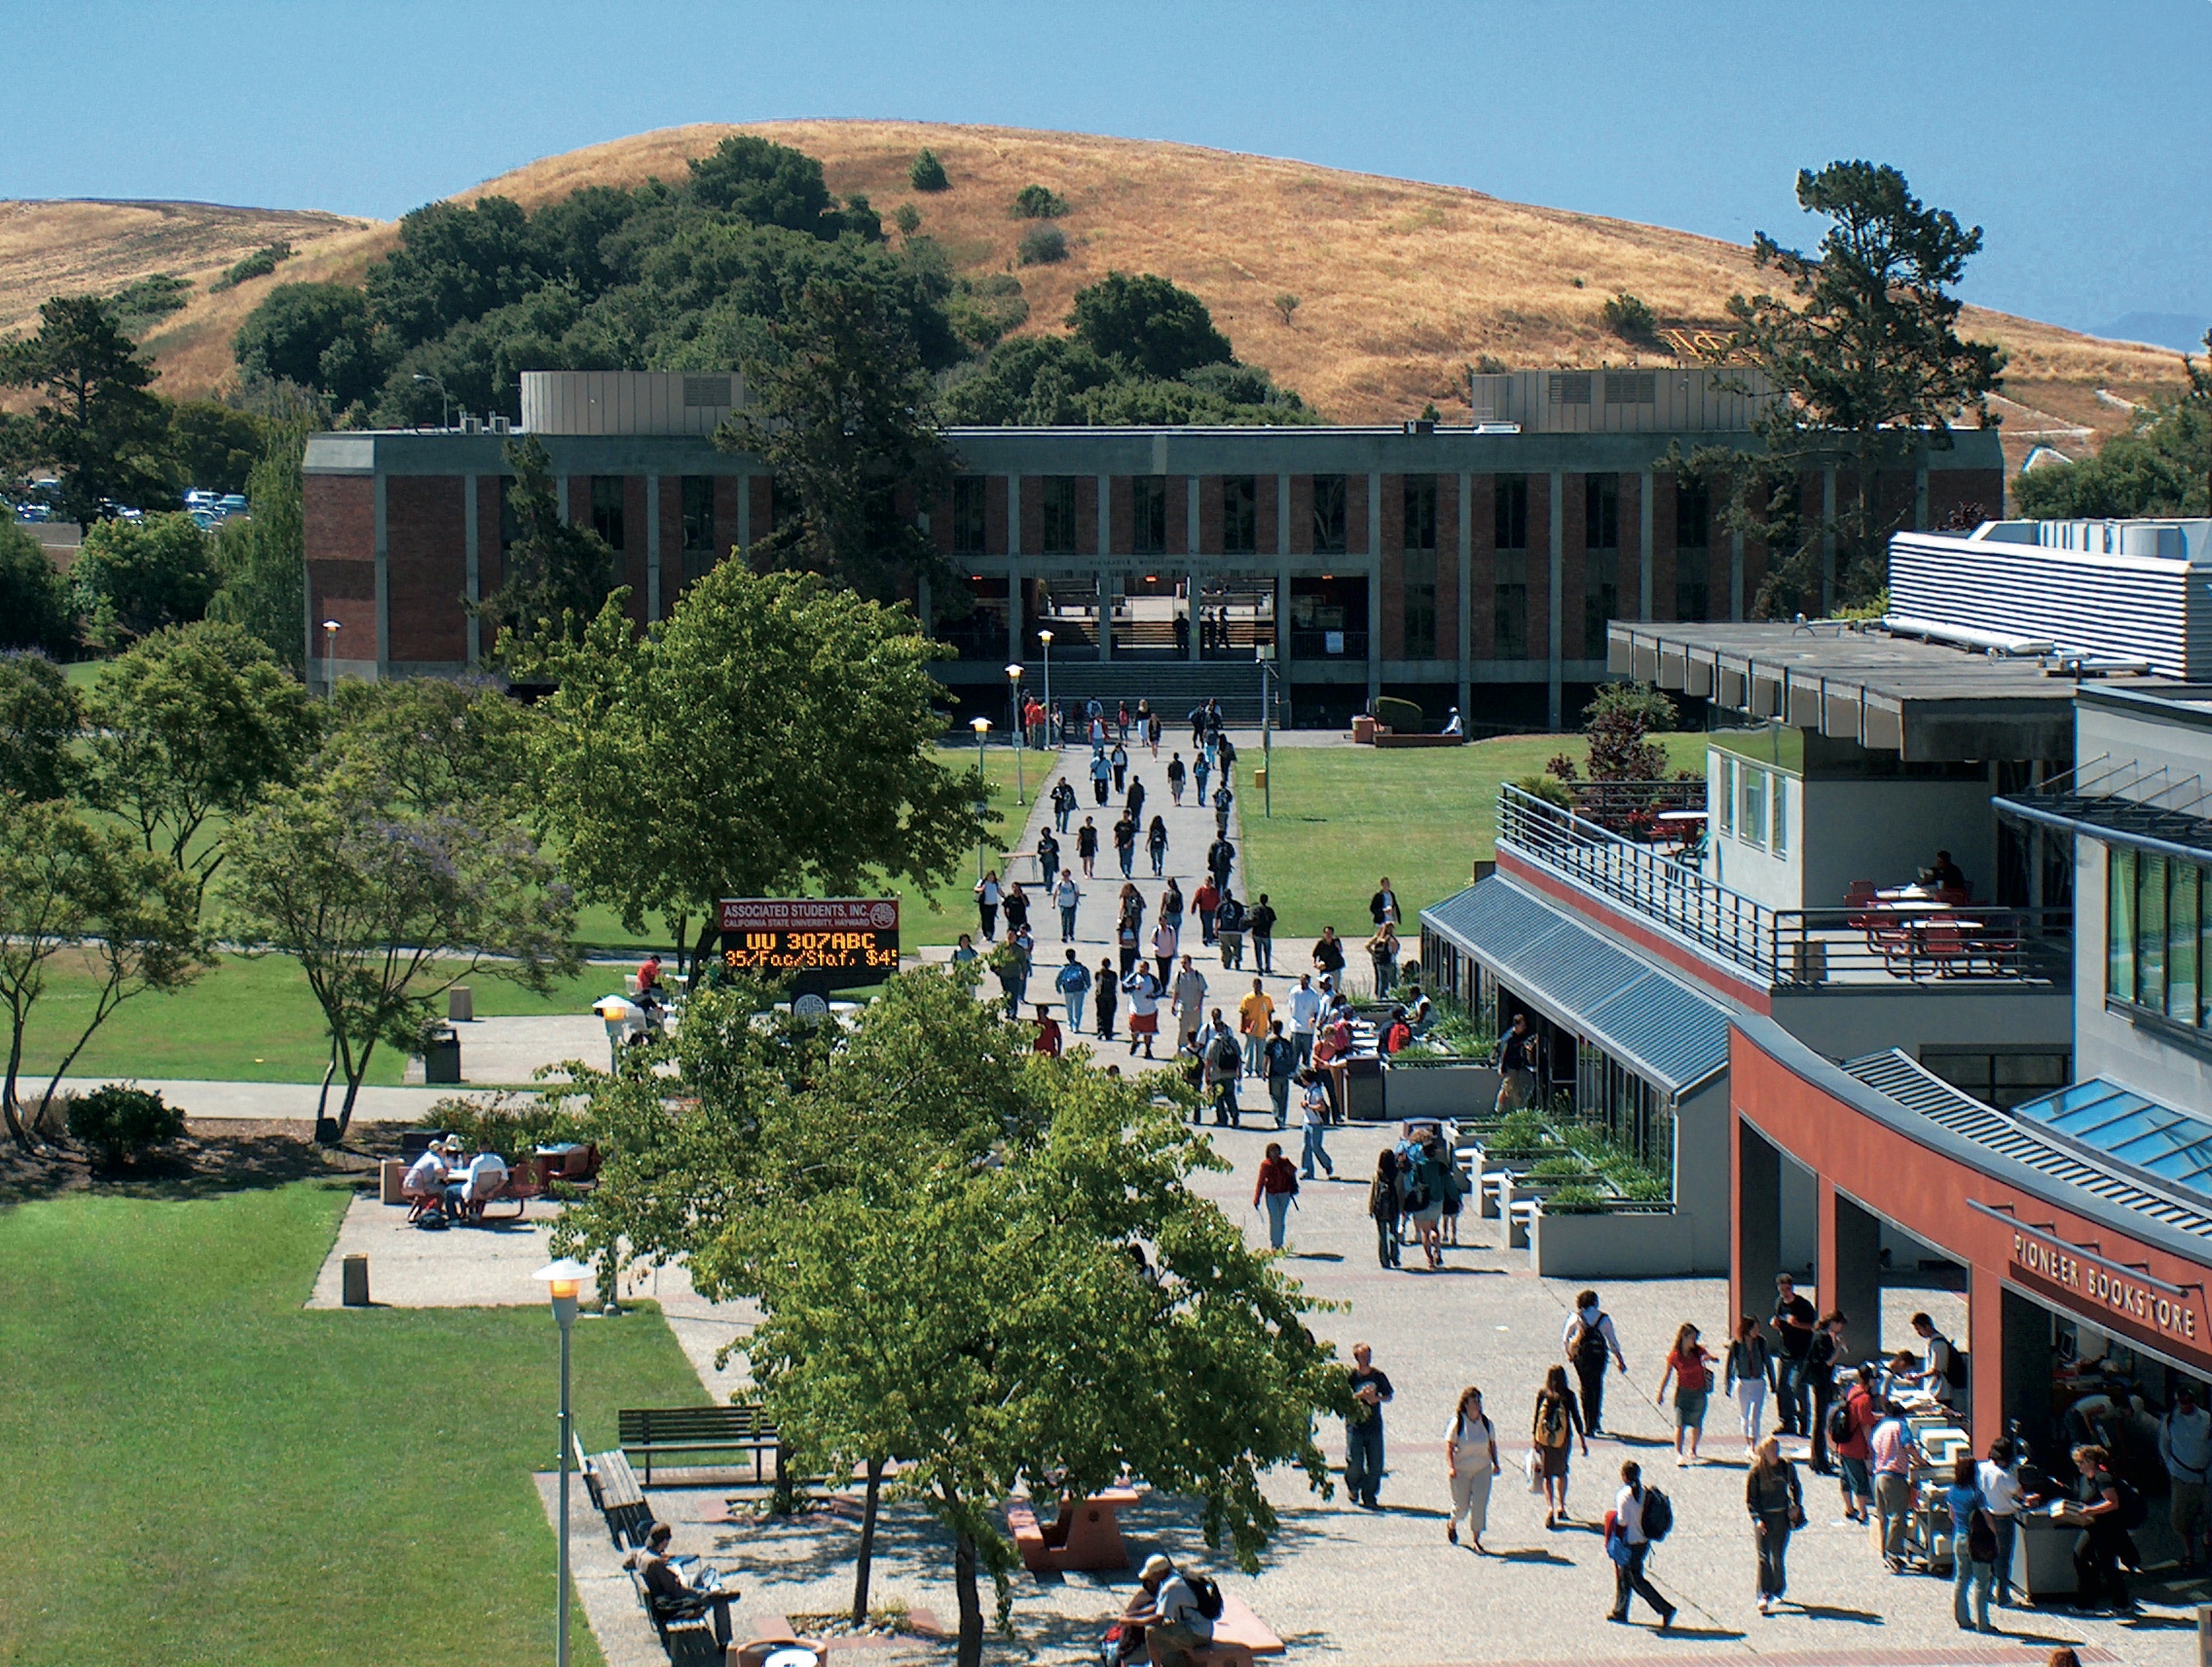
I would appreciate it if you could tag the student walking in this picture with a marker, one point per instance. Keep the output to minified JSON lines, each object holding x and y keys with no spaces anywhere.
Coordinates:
{"x":1171,"y":906}
{"x":1777,"y":1504}
{"x":1382,"y":951}
{"x":1470,"y":1464}
{"x":1974,"y":1548}
{"x":1259,"y":928}
{"x":1108,"y":988}
{"x":1305,"y":1017}
{"x":1086,"y":848}
{"x":1101,"y":772}
{"x":1750,"y":1372}
{"x":1224,"y":1064}
{"x":1175,"y":776}
{"x":2184,"y":1448}
{"x":1136,"y":797}
{"x":1063,"y":803}
{"x":1119,"y":759}
{"x":1552,"y":1432}
{"x":1228,"y":930}
{"x":1689,"y":1365}
{"x":1279,"y":1066}
{"x":1155,"y":845}
{"x":1220,"y":863}
{"x":987,"y":896}
{"x":1998,"y":1476}
{"x":1144,"y":1009}
{"x":1363,"y":1431}
{"x":1383,"y":1204}
{"x":2102,"y":1516}
{"x":1128,"y":943}
{"x":1277,"y":1188}
{"x":1627,"y":1545}
{"x":1067,"y":896}
{"x":1853,"y":1445}
{"x":1206,"y":901}
{"x":1255,"y":1015}
{"x":1201,"y":767}
{"x":1314,"y":1125}
{"x":1016,"y":908}
{"x":1126,"y":844}
{"x":1329,"y":955}
{"x":1223,"y":798}
{"x":1588,"y":1338}
{"x":1073,"y":981}
{"x":1189,"y":1003}
{"x":1164,"y":938}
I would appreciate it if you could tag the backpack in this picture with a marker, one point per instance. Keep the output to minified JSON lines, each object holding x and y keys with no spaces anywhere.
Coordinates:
{"x":1208,"y":1594}
{"x":1551,"y":1426}
{"x":1658,"y":1515}
{"x":1981,"y":1538}
{"x":1839,"y":1419}
{"x":1589,"y":1341}
{"x":1224,"y":1054}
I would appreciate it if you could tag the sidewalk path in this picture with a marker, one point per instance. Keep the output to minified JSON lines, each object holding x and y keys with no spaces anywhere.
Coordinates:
{"x":275,"y":1101}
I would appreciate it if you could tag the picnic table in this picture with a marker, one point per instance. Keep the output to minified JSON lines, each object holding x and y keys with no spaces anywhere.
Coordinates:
{"x":1086,"y":1536}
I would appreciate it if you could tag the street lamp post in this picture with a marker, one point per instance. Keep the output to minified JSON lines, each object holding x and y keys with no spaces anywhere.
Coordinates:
{"x":1020,"y":733}
{"x":1264,"y":654}
{"x":330,"y":658}
{"x":982,"y":727}
{"x":1045,"y":638}
{"x":445,"y":399}
{"x":563,"y":1280}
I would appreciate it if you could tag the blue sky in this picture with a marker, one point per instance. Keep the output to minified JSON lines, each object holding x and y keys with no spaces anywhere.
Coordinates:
{"x":2078,"y":135}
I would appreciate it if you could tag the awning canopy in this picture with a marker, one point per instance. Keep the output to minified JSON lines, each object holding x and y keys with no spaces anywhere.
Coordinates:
{"x":1663,"y":1030}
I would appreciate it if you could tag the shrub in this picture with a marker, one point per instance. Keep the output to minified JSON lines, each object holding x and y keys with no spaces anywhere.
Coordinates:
{"x":1286,"y":304}
{"x":1036,"y":203}
{"x":122,"y":1122}
{"x":908,"y":218}
{"x":1400,"y":716}
{"x":1575,"y":1201}
{"x":927,"y":174}
{"x":510,"y":1125}
{"x":1520,"y":1131}
{"x":1490,"y":364}
{"x":1563,"y":766}
{"x":1042,"y":246}
{"x":1559,"y":1169}
{"x":259,"y":263}
{"x":1629,"y":319}
{"x":1549,"y":789}
{"x":1648,"y":705}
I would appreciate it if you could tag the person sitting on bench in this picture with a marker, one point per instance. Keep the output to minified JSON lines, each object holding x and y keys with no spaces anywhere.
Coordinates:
{"x":665,"y":1584}
{"x":487,"y":1174}
{"x":1174,"y":1625}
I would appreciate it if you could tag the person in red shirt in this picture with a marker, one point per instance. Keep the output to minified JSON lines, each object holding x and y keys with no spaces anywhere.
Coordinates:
{"x":1855,"y":1453}
{"x":1689,"y":1365}
{"x":1047,"y":1041}
{"x":1277,"y":1186}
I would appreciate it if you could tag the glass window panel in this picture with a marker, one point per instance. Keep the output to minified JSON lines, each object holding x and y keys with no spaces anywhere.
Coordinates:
{"x":1782,"y":816}
{"x":2151,"y":931}
{"x":1750,"y":813}
{"x":2181,"y":942}
{"x":2119,"y":923}
{"x":1727,"y":793}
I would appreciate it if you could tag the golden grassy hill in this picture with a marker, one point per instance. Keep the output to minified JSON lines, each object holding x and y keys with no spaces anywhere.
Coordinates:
{"x":1399,"y":283}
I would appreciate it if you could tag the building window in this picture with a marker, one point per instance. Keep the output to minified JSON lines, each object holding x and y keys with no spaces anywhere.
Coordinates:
{"x":1600,"y":602}
{"x":1512,"y":500}
{"x":1727,"y":793}
{"x":697,"y":494}
{"x":1601,"y":511}
{"x":1632,"y":388}
{"x":1421,"y":512}
{"x":607,"y":508}
{"x":1693,"y":515}
{"x":1750,"y":804}
{"x":968,"y":519}
{"x":1240,"y":515}
{"x":1421,"y":603}
{"x":1059,"y":515}
{"x":2154,"y":931}
{"x":1693,"y":595}
{"x":1511,"y":621}
{"x":1780,"y":844}
{"x":1329,"y":496}
{"x":1570,"y":389}
{"x":1148,"y":495}
{"x":1999,"y":1077}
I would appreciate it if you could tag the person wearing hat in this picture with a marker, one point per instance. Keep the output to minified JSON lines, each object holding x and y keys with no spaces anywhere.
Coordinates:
{"x":456,"y":1191}
{"x":424,"y":1185}
{"x":1173,"y":1625}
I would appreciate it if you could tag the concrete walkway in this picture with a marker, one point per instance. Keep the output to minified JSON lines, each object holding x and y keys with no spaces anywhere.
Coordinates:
{"x":275,"y":1101}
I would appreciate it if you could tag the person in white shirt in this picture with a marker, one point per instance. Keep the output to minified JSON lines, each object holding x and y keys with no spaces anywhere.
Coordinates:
{"x":425,"y":1183}
{"x":1144,"y":1007}
{"x":1999,"y":1478}
{"x":1067,"y":895}
{"x":1628,"y":1564}
{"x":1305,"y":1017}
{"x":2184,"y":1444}
{"x":486,"y":1174}
{"x":1313,"y":1122}
{"x":1470,"y":1461}
{"x":1174,"y":1624}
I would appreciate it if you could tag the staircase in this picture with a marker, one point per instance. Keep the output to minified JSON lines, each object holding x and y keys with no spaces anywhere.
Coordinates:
{"x":1173,"y":686}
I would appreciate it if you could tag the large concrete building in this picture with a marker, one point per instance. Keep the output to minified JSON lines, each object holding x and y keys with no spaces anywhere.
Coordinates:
{"x":1475,"y":566}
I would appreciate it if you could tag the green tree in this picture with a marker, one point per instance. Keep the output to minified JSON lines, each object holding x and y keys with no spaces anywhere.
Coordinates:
{"x":262,"y":556}
{"x":556,"y":573}
{"x":187,"y":730}
{"x":386,"y":909}
{"x":40,"y":716}
{"x":99,"y":424}
{"x":135,"y":578}
{"x":454,"y":263}
{"x":842,"y":414}
{"x":1866,"y":353}
{"x":37,"y":610}
{"x":433,"y":744}
{"x":214,"y":446}
{"x":774,"y":736}
{"x":927,"y":174}
{"x":68,"y":889}
{"x":2161,"y":465}
{"x":1038,"y":202}
{"x":317,"y":335}
{"x":1148,"y":323}
{"x":757,"y":180}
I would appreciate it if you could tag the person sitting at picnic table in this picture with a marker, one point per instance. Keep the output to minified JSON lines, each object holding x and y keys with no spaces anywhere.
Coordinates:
{"x":1943,"y":874}
{"x":424,"y":1182}
{"x":667,"y":1585}
{"x":478,"y":1185}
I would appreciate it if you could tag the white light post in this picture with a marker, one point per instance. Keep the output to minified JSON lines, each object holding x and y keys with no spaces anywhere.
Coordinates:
{"x":563,"y":1280}
{"x":1020,"y":733}
{"x":330,"y":629}
{"x":445,"y":399}
{"x":982,"y":727}
{"x":1045,"y":638}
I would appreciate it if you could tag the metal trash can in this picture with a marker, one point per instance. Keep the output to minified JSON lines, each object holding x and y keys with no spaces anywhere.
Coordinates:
{"x":1363,"y":1088}
{"x":353,"y":1275}
{"x":441,"y":1060}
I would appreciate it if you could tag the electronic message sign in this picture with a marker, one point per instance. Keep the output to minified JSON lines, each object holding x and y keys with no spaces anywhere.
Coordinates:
{"x":827,"y":943}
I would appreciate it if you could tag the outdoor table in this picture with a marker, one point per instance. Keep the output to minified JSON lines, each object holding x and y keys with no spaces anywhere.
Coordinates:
{"x":1681,"y":816}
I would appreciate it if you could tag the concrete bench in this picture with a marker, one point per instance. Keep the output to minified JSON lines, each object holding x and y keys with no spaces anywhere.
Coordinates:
{"x":1086,"y":1537}
{"x":1520,"y":1214}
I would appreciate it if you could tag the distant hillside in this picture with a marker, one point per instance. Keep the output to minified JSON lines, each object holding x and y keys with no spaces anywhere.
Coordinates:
{"x":1399,"y":283}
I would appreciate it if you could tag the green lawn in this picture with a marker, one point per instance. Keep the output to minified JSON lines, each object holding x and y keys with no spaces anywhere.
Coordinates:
{"x":203,"y":1472}
{"x":246,"y":1022}
{"x":1346,"y":815}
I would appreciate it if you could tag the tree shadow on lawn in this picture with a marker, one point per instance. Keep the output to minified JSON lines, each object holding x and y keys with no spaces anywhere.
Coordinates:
{"x":216,"y":1155}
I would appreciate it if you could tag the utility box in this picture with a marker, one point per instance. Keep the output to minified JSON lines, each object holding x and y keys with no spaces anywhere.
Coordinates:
{"x":353,"y":1275}
{"x":1260,"y":778}
{"x":441,"y":1060}
{"x":460,"y":1005}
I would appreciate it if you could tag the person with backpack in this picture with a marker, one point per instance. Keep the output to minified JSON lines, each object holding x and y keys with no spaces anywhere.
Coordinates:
{"x":1108,"y":987}
{"x":1945,"y":1374}
{"x":1314,"y":1124}
{"x":1385,"y":1200}
{"x":2184,"y":1448}
{"x":1101,"y":772}
{"x":1120,"y":763}
{"x":1552,"y":1432}
{"x":1229,"y":929}
{"x":1225,"y":1063}
{"x":1144,"y":1009}
{"x":1640,"y":1517}
{"x":1259,"y":928}
{"x":2107,"y":1511}
{"x":1851,"y":1431}
{"x":1470,"y":1464}
{"x":1073,"y":981}
{"x":1588,"y":1338}
{"x":1155,"y":845}
{"x":1689,"y":1363}
{"x":1435,"y":1176}
{"x":1067,"y":897}
{"x":1973,"y":1546}
{"x":1819,"y":1372}
{"x":1778,"y":1507}
{"x":1063,"y":803}
{"x":1201,"y":767}
{"x":1178,"y":1621}
{"x":1278,"y":1067}
{"x":1749,"y":1374}
{"x":1277,"y":1189}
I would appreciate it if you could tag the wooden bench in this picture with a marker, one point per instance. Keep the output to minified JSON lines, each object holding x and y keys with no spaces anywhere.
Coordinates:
{"x":651,"y":1430}
{"x":615,"y":1493}
{"x":668,"y":1613}
{"x":1086,"y":1537}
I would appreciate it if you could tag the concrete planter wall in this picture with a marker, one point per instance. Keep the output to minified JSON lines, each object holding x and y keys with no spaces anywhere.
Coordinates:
{"x":1639,"y":1245}
{"x":1438,"y":1091}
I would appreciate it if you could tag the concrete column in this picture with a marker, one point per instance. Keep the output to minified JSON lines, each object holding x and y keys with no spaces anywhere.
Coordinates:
{"x":1644,"y":553}
{"x":1757,"y":1208}
{"x":1105,"y":615}
{"x":745,"y":518}
{"x":1828,"y":540}
{"x":1191,"y":581}
{"x":1013,"y":611}
{"x":561,"y":499}
{"x":472,"y":573}
{"x":1736,"y":575}
{"x":1920,"y":499}
{"x":1553,"y":624}
{"x":1373,"y":588}
{"x":1848,"y":1266}
{"x":384,"y":585}
{"x":1191,"y":515}
{"x":2011,"y":1364}
{"x":1465,"y":650}
{"x":652,"y":547}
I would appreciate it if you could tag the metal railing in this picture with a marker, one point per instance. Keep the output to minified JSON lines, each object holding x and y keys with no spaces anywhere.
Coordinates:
{"x":1863,"y":943}
{"x":1633,"y":807}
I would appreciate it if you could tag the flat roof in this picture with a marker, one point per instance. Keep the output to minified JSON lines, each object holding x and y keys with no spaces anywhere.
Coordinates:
{"x":1924,"y":701}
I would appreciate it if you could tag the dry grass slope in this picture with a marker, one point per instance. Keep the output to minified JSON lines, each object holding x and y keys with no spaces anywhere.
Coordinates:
{"x":1400,"y":283}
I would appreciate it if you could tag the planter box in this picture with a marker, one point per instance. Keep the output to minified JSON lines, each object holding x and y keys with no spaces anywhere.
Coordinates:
{"x":1438,"y":1091}
{"x":1613,"y":1244}
{"x":1390,"y":738}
